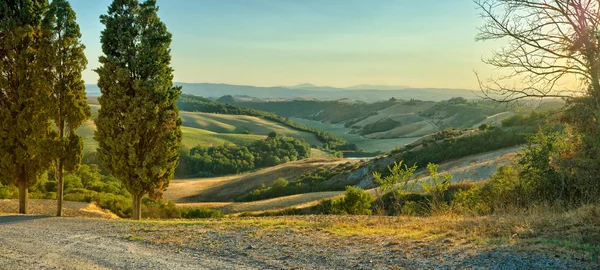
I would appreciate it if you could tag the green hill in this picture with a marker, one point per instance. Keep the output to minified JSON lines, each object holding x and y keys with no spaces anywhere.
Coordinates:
{"x":207,"y":130}
{"x":242,"y":124}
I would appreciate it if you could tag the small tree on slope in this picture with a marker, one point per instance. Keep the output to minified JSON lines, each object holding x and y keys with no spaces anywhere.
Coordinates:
{"x":24,"y":93}
{"x":69,"y":108}
{"x":138,"y":133}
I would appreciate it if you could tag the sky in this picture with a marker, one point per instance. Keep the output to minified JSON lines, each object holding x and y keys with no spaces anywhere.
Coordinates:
{"x":421,"y":44}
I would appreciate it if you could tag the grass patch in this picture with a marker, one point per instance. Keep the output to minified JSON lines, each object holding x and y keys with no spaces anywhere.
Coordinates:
{"x":135,"y":238}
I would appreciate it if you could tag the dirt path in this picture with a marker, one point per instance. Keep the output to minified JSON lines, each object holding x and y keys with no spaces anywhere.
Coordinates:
{"x":30,"y":242}
{"x":308,"y":242}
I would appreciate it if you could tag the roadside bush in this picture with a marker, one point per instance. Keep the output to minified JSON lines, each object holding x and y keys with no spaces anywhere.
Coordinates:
{"x":159,"y":209}
{"x":397,"y":202}
{"x":200,"y":212}
{"x":436,"y":185}
{"x":356,"y":201}
{"x":8,"y":192}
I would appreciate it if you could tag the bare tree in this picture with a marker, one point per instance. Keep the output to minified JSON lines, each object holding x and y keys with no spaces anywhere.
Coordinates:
{"x":553,"y":45}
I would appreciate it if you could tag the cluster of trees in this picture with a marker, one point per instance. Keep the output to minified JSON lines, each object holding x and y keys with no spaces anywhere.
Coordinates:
{"x":42,"y":97}
{"x":227,"y":159}
{"x":308,"y":182}
{"x":200,"y":104}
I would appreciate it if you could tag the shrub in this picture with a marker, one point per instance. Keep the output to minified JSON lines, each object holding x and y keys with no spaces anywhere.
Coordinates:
{"x":436,"y":185}
{"x":200,"y":212}
{"x":356,"y":201}
{"x":397,"y":175}
{"x":8,"y":192}
{"x":160,"y":209}
{"x":72,"y":181}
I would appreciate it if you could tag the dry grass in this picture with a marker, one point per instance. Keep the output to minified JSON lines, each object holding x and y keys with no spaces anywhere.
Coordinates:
{"x":225,"y":189}
{"x":574,"y":233}
{"x":48,"y":208}
{"x":298,"y":201}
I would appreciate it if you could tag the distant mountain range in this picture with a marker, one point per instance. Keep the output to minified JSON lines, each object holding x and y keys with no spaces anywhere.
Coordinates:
{"x":368,"y":93}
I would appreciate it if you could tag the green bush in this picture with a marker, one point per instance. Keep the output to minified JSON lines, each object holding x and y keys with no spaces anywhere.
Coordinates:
{"x":200,"y":213}
{"x":356,"y":201}
{"x":72,"y":181}
{"x":436,"y":186}
{"x":8,"y":192}
{"x":160,"y":209}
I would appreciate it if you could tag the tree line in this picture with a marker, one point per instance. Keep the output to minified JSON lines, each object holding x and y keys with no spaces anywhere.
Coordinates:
{"x":43,"y":101}
{"x":227,"y":159}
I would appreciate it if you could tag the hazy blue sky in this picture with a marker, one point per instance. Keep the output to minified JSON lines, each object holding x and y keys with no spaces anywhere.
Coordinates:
{"x":425,"y":43}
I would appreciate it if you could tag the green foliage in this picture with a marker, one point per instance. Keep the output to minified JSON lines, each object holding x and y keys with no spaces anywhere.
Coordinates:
{"x":194,"y":213}
{"x":504,"y":190}
{"x":68,"y":102}
{"x":139,"y":132}
{"x":356,"y":201}
{"x":199,"y":104}
{"x":8,"y":192}
{"x":227,"y":159}
{"x":396,"y":181}
{"x":68,"y":106}
{"x":160,"y":210}
{"x":25,"y":89}
{"x":435,"y":185}
{"x":72,"y":182}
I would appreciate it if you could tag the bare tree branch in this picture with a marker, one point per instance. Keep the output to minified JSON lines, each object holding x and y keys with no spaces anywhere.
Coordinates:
{"x":549,"y":42}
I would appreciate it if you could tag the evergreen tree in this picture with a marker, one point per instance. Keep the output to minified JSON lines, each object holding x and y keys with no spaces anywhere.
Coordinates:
{"x":69,"y":108}
{"x":138,"y":124}
{"x":24,"y":93}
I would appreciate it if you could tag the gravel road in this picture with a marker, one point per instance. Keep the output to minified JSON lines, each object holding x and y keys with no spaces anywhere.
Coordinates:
{"x":32,"y":242}
{"x":29,"y":242}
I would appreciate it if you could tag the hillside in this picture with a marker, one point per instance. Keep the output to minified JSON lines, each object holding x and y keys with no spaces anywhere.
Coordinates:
{"x":223,"y":189}
{"x":215,"y":130}
{"x":219,"y":192}
{"x":242,"y":124}
{"x":390,"y":119}
{"x":193,"y":103}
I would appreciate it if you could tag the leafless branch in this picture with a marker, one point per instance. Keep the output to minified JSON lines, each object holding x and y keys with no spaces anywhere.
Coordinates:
{"x":549,"y":42}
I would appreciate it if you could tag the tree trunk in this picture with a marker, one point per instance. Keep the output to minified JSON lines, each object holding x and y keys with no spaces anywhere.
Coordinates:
{"x":23,"y":196}
{"x":137,"y":207}
{"x":60,"y":187}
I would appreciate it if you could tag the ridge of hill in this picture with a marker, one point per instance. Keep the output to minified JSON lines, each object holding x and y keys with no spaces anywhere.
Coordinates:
{"x":368,"y":93}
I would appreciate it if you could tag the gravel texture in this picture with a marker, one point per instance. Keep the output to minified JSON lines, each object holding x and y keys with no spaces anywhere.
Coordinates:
{"x":28,"y":242}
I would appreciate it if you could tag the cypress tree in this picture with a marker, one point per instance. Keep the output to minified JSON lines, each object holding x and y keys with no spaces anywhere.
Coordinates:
{"x":68,"y":102}
{"x":24,"y":93}
{"x":138,"y":125}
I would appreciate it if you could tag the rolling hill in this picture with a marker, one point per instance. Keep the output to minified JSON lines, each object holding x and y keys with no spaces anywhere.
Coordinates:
{"x":219,"y":192}
{"x":368,"y":93}
{"x":207,"y":130}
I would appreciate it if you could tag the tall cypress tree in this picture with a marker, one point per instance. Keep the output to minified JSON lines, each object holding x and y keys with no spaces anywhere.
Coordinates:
{"x":24,"y":93}
{"x":68,"y":106}
{"x":138,"y":124}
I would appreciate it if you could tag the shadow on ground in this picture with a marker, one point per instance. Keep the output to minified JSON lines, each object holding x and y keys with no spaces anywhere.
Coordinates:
{"x":15,"y":219}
